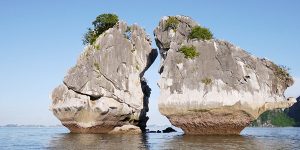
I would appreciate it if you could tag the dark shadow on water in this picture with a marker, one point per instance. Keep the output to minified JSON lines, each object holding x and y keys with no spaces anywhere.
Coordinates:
{"x":145,"y":141}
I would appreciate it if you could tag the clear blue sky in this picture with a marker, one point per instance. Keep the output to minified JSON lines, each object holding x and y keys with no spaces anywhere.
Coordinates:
{"x":41,"y":40}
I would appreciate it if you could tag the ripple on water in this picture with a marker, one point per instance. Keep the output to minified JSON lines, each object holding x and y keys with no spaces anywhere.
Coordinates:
{"x":59,"y":138}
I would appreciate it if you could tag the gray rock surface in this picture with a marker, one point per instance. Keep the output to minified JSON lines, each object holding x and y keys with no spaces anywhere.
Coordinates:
{"x":106,"y":88}
{"x":219,"y":92}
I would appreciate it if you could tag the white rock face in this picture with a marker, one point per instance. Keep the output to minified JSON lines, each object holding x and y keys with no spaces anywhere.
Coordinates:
{"x":218,"y":92}
{"x":106,"y":88}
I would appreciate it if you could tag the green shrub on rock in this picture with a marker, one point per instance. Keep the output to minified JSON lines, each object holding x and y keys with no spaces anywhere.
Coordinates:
{"x":89,"y":37}
{"x":189,"y":51}
{"x":102,"y":23}
{"x":200,"y":33}
{"x":172,"y":23}
{"x":206,"y":81}
{"x":281,"y":72}
{"x":97,"y":66}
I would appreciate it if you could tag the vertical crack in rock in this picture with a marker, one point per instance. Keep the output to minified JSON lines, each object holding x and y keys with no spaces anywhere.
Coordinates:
{"x":205,"y":94}
{"x":106,"y":91}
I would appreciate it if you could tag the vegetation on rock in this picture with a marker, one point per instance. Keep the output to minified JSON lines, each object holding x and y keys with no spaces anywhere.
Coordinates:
{"x":172,"y":23}
{"x":102,"y":23}
{"x":97,"y":47}
{"x":97,"y":66}
{"x":281,"y":72}
{"x":189,"y":51}
{"x":200,"y":33}
{"x":206,"y":81}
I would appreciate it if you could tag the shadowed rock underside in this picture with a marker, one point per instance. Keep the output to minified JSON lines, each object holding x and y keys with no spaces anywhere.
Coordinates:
{"x":211,"y":122}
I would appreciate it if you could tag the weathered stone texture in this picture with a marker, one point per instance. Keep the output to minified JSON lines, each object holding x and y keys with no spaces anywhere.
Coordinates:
{"x":242,"y":85}
{"x":106,"y":88}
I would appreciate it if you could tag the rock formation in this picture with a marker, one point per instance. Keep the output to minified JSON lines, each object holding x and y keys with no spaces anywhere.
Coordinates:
{"x":168,"y":130}
{"x":106,"y":88}
{"x":221,"y":90}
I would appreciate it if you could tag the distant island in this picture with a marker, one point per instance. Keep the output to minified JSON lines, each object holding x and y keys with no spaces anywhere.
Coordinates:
{"x":289,"y":117}
{"x":30,"y":125}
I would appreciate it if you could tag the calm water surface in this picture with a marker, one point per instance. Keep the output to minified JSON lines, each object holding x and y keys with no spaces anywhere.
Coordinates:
{"x":59,"y":138}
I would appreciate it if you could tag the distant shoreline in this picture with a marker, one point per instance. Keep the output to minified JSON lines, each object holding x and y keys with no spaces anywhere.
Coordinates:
{"x":41,"y":126}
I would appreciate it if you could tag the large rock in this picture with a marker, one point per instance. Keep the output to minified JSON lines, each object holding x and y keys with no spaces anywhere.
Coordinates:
{"x":219,"y":92}
{"x":106,"y":88}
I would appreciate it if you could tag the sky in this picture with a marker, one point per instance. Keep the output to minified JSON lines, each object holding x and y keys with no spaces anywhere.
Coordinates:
{"x":41,"y":40}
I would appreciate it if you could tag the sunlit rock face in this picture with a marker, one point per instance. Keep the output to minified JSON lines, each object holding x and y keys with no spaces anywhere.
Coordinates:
{"x":106,"y":88}
{"x":218,"y":92}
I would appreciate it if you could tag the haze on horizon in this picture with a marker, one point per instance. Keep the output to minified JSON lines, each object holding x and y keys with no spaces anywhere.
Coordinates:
{"x":40,"y":41}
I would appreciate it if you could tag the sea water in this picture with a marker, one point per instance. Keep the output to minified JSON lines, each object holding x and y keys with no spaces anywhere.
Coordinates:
{"x":60,"y":138}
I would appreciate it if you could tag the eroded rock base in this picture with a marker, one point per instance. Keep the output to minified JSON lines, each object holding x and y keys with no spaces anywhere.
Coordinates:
{"x":74,"y":128}
{"x":211,"y":122}
{"x":99,"y":129}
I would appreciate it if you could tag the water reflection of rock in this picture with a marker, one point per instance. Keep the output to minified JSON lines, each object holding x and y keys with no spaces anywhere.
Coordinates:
{"x":214,"y":142}
{"x":250,"y":138}
{"x":99,"y":141}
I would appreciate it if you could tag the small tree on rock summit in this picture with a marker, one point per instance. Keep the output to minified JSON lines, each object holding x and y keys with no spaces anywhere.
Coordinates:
{"x":102,"y":23}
